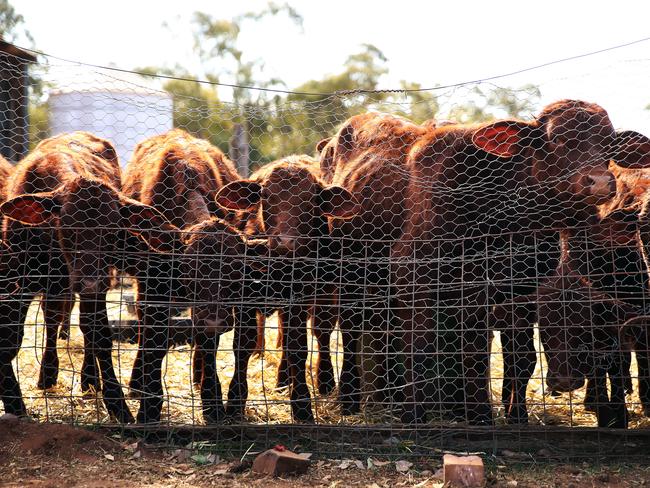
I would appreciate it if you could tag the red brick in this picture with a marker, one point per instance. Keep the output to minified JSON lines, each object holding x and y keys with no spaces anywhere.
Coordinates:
{"x":463,"y":471}
{"x":279,"y":462}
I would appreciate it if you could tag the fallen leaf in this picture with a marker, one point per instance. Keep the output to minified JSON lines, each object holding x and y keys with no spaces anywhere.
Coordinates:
{"x":200,"y":459}
{"x":359,"y":464}
{"x":403,"y":466}
{"x":379,"y":464}
{"x":137,"y":455}
{"x":345,"y":464}
{"x":110,"y":457}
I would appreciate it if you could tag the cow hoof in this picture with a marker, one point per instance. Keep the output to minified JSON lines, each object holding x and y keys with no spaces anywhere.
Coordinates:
{"x":46,"y":382}
{"x":214,"y":415}
{"x":302,"y":413}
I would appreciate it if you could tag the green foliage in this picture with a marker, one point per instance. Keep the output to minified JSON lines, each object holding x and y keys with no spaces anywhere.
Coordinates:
{"x":39,"y":127}
{"x":278,"y":125}
{"x":483,"y":104}
{"x":12,"y":23}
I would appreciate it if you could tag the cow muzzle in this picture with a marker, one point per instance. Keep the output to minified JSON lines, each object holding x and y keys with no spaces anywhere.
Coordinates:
{"x":598,"y":187}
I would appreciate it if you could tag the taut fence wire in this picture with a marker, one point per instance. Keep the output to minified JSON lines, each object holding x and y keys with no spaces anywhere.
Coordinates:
{"x":395,"y":272}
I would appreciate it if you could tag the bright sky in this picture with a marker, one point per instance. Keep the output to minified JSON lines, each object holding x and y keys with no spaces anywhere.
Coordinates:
{"x":429,"y":42}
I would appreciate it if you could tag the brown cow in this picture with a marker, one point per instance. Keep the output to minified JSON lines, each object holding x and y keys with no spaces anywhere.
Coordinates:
{"x":180,"y":176}
{"x":219,"y":271}
{"x":579,"y":329}
{"x":478,"y":200}
{"x":63,"y":216}
{"x":293,"y":205}
{"x":367,"y":156}
{"x":602,"y":260}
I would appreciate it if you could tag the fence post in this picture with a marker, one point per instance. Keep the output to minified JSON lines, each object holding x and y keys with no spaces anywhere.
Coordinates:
{"x":239,"y":150}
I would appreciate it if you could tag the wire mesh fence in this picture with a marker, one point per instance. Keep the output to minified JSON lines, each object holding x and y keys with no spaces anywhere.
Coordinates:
{"x":395,"y":272}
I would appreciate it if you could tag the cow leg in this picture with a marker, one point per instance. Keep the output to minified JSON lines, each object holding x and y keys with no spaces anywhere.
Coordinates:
{"x":476,"y":367}
{"x":591,"y":393}
{"x":617,"y":380}
{"x":197,"y":365}
{"x":604,"y":414}
{"x":93,"y":320}
{"x":135,"y":383}
{"x":207,"y":342}
{"x":626,"y":365}
{"x":244,"y":344}
{"x":323,"y":323}
{"x":284,"y":376}
{"x":155,"y":342}
{"x":350,"y":380}
{"x":12,"y":331}
{"x":418,"y":324}
{"x":54,"y":310}
{"x":643,"y":364}
{"x":90,"y":373}
{"x":297,"y":352}
{"x":519,"y":359}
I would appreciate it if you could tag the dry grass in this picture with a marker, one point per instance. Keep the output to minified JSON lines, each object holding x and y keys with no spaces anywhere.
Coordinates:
{"x":66,"y":403}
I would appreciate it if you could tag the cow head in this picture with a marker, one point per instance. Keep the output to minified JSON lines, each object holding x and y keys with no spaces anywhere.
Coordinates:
{"x":88,"y":216}
{"x":294,"y":204}
{"x":218,"y":268}
{"x":566,"y":150}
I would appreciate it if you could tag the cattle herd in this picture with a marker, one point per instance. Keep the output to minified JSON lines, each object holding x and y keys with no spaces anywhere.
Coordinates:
{"x":419,"y":241}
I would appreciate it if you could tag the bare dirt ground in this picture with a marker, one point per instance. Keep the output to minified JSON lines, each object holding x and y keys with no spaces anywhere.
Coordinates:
{"x":57,"y":455}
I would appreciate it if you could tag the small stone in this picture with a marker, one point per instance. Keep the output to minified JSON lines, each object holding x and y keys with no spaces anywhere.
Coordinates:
{"x":278,"y":462}
{"x":463,"y":471}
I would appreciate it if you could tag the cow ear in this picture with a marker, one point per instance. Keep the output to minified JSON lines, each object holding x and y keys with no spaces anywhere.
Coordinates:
{"x":150,"y":226}
{"x":632,"y":149}
{"x":322,"y":143}
{"x":33,"y":209}
{"x":346,"y":138}
{"x":505,"y":138}
{"x":240,"y":195}
{"x":337,"y":202}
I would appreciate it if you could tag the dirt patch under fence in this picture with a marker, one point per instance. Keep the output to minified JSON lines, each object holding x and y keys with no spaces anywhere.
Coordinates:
{"x":56,"y":455}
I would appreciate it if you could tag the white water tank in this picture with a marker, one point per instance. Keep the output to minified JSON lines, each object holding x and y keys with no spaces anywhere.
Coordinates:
{"x":120,"y":108}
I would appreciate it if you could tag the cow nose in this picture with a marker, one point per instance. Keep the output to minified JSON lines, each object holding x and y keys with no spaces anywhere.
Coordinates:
{"x":602,"y":186}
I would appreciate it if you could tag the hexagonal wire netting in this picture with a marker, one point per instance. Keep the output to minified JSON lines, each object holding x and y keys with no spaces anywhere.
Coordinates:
{"x":357,"y":273}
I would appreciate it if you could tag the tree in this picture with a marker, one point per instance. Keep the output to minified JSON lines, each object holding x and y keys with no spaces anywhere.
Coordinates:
{"x":484,"y":104}
{"x":197,"y":107}
{"x":12,"y":28}
{"x":305,"y":119}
